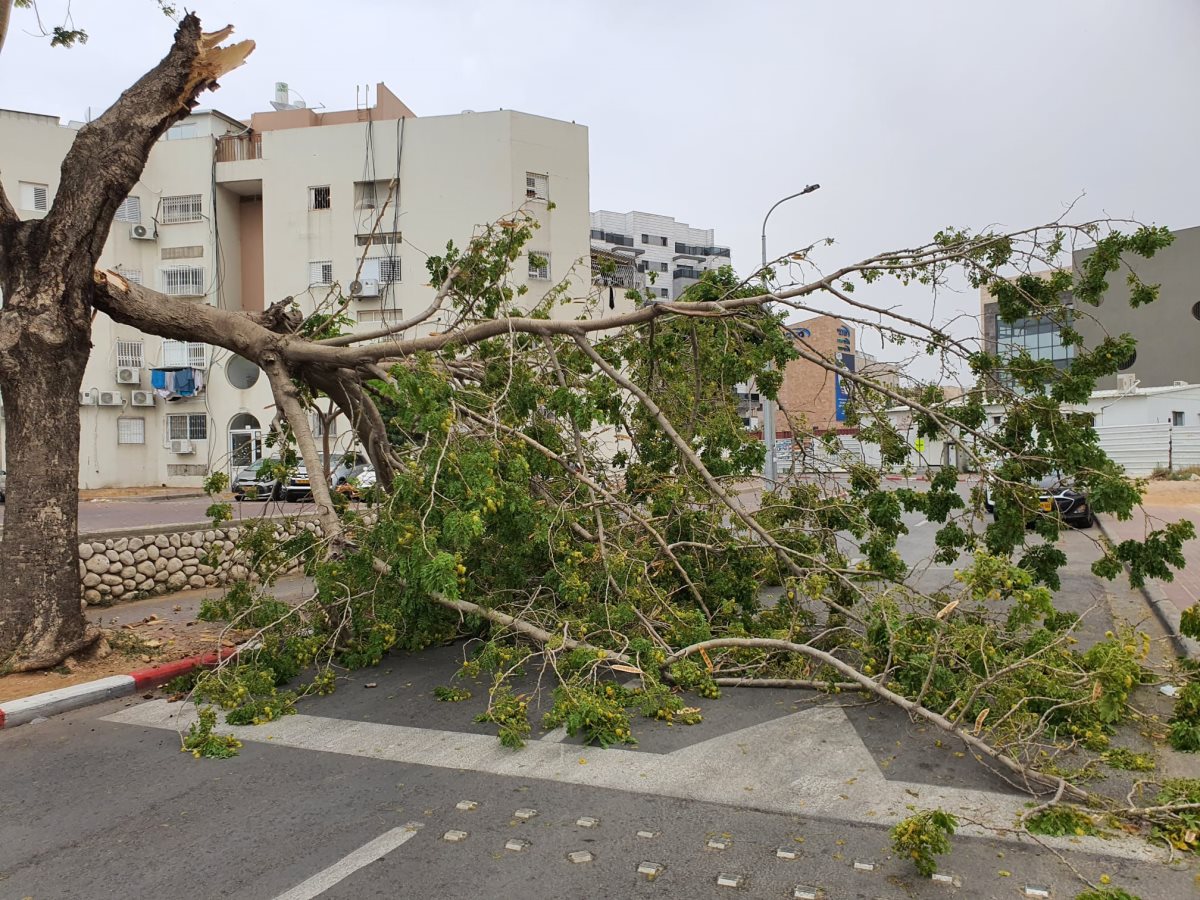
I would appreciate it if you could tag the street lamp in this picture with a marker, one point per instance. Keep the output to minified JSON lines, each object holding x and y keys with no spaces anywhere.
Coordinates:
{"x":769,"y":404}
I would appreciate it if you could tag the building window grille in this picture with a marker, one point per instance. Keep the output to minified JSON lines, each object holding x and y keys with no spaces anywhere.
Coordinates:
{"x":183,"y":208}
{"x":318,"y":197}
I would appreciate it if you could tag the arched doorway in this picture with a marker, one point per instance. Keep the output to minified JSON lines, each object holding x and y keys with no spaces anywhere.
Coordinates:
{"x":245,"y":442}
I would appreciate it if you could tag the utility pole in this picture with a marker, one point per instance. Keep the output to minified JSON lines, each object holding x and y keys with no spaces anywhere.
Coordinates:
{"x":768,"y":404}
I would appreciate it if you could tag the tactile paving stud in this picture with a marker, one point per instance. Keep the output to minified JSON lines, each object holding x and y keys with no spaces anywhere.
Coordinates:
{"x":525,"y":813}
{"x":587,"y":822}
{"x":719,"y":843}
{"x":580,"y":856}
{"x":454,"y":836}
{"x":787,"y":853}
{"x":1037,"y":890}
{"x":730,"y":880}
{"x":516,"y":845}
{"x":864,"y":865}
{"x":806,"y":892}
{"x":647,"y":834}
{"x":466,"y":805}
{"x":650,"y":870}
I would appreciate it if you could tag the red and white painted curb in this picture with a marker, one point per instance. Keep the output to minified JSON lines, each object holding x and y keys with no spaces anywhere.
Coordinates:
{"x":49,"y":703}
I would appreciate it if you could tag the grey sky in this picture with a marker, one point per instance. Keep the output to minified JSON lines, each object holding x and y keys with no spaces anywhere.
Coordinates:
{"x":911,"y":115}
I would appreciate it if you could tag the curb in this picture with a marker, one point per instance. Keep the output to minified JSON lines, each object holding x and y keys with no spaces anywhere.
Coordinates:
{"x":1167,"y":613}
{"x":60,"y":700}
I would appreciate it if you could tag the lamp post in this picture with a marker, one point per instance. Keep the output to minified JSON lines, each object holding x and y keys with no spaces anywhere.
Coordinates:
{"x":769,"y":404}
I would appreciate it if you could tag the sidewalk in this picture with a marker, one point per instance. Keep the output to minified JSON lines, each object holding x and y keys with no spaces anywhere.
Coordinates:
{"x":139,"y":493}
{"x":164,"y":631}
{"x":1166,"y":501}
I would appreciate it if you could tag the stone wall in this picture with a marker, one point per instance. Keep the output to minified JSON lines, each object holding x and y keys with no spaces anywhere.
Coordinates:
{"x":120,"y":568}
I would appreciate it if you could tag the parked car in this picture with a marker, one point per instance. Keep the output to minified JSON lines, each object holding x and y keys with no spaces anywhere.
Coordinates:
{"x":1057,"y":494}
{"x":357,"y":480}
{"x":257,"y":481}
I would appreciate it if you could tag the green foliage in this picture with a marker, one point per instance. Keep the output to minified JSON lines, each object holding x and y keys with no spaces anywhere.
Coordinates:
{"x":597,"y":711}
{"x":1189,"y":622}
{"x":1061,"y":820}
{"x":201,"y":741}
{"x":923,"y":837}
{"x":1106,"y":893}
{"x":511,"y":713}
{"x":449,"y":694}
{"x":1184,"y":727}
{"x":1181,"y":829}
{"x":1128,"y":760}
{"x":216,"y":483}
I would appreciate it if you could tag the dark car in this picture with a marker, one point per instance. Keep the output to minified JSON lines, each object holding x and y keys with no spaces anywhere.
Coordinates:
{"x":257,"y":481}
{"x":1057,"y":495}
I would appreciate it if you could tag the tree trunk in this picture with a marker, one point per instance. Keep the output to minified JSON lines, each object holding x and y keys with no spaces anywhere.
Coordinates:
{"x":41,"y":619}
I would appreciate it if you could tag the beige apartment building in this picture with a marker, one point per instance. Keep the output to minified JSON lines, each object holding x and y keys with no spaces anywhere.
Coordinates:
{"x":291,"y":204}
{"x":812,"y":398}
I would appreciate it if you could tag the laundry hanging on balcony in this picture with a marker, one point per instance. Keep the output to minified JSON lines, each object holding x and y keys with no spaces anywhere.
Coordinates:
{"x":177,"y":383}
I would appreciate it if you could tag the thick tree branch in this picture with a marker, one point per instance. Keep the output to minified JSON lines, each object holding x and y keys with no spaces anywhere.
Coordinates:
{"x":108,"y":154}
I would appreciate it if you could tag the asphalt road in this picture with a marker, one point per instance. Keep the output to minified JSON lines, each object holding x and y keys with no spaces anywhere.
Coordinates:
{"x":380,"y":791}
{"x":105,"y":515}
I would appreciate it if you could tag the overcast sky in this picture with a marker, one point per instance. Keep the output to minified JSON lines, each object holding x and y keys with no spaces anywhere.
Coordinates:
{"x":911,"y":115}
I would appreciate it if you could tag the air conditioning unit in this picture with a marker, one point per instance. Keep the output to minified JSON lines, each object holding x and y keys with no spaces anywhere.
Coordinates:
{"x":142,"y":233}
{"x":182,"y":447}
{"x":110,"y":398}
{"x":143,"y":398}
{"x":368,"y":287}
{"x":1127,"y":383}
{"x":87,"y":398}
{"x":129,"y":375}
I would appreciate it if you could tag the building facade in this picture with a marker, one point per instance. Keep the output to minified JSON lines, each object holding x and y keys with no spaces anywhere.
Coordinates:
{"x":811,"y":398}
{"x":294,"y":204}
{"x":671,"y":254}
{"x":1165,"y":330}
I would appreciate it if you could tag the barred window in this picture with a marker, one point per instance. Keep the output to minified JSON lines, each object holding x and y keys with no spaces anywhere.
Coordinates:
{"x":183,"y":208}
{"x":539,"y":266}
{"x":185,"y":354}
{"x":389,"y":270}
{"x":183,"y":281}
{"x":130,"y":210}
{"x":187,"y":427}
{"x":320,"y":272}
{"x":537,"y":187}
{"x":131,"y":353}
{"x":319,"y":197}
{"x":131,"y":430}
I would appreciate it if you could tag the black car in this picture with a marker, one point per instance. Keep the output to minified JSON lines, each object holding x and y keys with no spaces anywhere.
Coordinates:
{"x":1072,"y":505}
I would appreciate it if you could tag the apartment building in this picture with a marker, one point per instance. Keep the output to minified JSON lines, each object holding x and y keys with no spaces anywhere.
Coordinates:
{"x":672,"y":255}
{"x":302,"y":204}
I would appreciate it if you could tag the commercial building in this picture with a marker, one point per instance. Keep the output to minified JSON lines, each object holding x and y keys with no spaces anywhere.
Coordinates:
{"x":294,"y":203}
{"x":1166,"y":330}
{"x":672,"y":255}
{"x":812,"y":398}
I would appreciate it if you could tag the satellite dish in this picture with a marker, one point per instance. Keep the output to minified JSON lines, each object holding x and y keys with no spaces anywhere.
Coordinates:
{"x":241,"y":373}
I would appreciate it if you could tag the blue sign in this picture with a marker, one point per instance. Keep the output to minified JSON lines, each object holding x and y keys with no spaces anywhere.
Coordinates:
{"x":841,"y":387}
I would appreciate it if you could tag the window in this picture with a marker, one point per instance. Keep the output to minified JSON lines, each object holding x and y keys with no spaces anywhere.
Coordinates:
{"x":386,"y":315}
{"x":379,"y":237}
{"x":320,"y":272}
{"x":318,"y":428}
{"x":184,"y":354}
{"x":997,"y":420}
{"x":539,"y":265}
{"x":131,"y":275}
{"x":189,"y":427}
{"x":645,"y":238}
{"x":389,"y":270}
{"x":130,"y":210}
{"x":34,"y":196}
{"x":131,"y":353}
{"x":537,"y":187}
{"x":183,"y":208}
{"x":664,"y":292}
{"x":131,"y":430}
{"x":183,"y":281}
{"x":1177,"y":417}
{"x":182,"y":131}
{"x":318,"y":197}
{"x":373,"y":194}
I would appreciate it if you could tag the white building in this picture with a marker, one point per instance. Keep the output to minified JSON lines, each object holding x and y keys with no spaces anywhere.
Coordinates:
{"x":672,"y":254}
{"x":240,"y":215}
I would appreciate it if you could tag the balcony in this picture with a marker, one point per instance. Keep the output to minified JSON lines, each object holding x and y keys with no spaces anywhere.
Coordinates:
{"x":237,"y":147}
{"x":697,"y":250}
{"x":611,"y":237}
{"x":687,"y":272}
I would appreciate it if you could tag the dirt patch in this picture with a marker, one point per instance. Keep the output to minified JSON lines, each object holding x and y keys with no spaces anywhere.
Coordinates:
{"x":135,"y":645}
{"x":1173,"y":493}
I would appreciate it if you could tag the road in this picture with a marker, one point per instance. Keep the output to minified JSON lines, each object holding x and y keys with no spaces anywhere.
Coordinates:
{"x":97,"y":516}
{"x":380,"y":791}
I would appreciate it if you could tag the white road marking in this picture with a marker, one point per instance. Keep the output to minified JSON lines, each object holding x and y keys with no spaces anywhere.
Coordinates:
{"x":557,"y":736}
{"x":351,"y":863}
{"x":810,"y":762}
{"x":922,"y":522}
